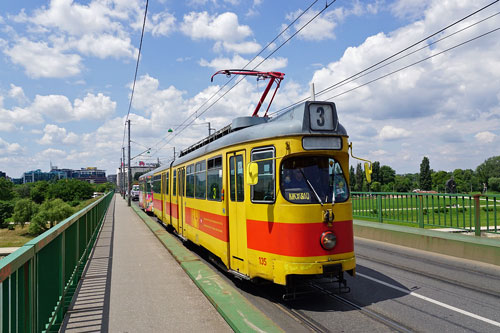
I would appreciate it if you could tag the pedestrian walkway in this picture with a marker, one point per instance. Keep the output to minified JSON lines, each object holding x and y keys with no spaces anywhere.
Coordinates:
{"x":132,"y":284}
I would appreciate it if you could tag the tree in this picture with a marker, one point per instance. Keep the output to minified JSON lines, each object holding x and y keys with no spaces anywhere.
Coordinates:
{"x":352,"y":178}
{"x":70,"y":190}
{"x":402,"y":184}
{"x":6,"y":192}
{"x":359,"y":178}
{"x":23,"y":190}
{"x":138,"y":174}
{"x":425,"y":178}
{"x":489,"y":168}
{"x":494,"y":183}
{"x":24,"y":210}
{"x":6,"y":209}
{"x":387,"y":175}
{"x":376,"y":171}
{"x":39,"y":191}
{"x":376,"y":186}
{"x":439,"y":179}
{"x":52,"y":212}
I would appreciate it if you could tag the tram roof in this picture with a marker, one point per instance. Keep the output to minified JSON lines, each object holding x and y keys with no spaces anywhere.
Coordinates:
{"x":295,"y":121}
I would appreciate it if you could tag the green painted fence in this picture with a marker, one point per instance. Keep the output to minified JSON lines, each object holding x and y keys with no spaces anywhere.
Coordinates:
{"x":37,"y":282}
{"x":430,"y":210}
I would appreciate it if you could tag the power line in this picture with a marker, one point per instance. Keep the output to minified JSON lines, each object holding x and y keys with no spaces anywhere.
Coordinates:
{"x":358,"y":74}
{"x":327,"y":5}
{"x":415,"y":63}
{"x":136,"y":69}
{"x":232,"y":78}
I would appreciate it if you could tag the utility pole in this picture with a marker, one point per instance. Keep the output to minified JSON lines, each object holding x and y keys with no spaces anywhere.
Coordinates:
{"x":129,"y":167}
{"x":123,"y":174}
{"x":209,"y":129}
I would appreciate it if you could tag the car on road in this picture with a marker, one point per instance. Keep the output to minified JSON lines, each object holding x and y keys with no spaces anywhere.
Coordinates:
{"x":135,"y":192}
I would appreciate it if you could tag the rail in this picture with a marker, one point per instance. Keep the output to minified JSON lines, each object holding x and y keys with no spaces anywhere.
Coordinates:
{"x":473,"y":213}
{"x":38,"y":281}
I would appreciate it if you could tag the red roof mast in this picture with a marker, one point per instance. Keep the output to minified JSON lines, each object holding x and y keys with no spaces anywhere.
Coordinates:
{"x":273,"y":76}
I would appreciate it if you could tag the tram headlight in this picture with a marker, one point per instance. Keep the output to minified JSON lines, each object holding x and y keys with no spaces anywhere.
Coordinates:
{"x":328,"y":240}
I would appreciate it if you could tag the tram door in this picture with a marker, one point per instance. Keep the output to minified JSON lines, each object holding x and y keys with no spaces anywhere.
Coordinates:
{"x":236,"y":211}
{"x":181,"y":202}
{"x":164,"y":198}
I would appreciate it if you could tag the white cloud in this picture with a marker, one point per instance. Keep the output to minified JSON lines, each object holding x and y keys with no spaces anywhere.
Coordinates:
{"x":391,"y":133}
{"x":57,"y":135}
{"x":103,"y":46}
{"x":244,"y":47}
{"x":17,"y":93}
{"x":57,"y":107}
{"x":60,"y":109}
{"x":93,"y":107}
{"x":237,"y":61}
{"x":7,"y":148}
{"x":161,"y":24}
{"x":224,"y":27}
{"x":318,"y":29}
{"x":41,"y":60}
{"x":485,"y":137}
{"x":76,"y":19}
{"x":50,"y":154}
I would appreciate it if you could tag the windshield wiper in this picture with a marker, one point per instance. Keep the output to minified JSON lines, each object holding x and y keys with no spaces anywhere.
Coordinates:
{"x":312,"y":187}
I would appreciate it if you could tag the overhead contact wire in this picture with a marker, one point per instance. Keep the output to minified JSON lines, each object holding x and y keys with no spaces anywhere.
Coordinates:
{"x":225,"y":93}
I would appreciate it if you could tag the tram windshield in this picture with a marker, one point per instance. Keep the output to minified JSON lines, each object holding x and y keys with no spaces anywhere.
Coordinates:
{"x":313,"y":179}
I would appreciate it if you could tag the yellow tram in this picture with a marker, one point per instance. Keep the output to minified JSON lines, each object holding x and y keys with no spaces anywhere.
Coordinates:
{"x":268,"y":197}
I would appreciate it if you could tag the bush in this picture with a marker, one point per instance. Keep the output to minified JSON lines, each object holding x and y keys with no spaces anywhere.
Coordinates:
{"x":494,"y":183}
{"x":441,"y":210}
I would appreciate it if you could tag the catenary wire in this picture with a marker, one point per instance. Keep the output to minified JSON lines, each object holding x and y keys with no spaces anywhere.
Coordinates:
{"x":327,"y":5}
{"x":136,"y":69}
{"x":414,"y":63}
{"x":195,"y":113}
{"x":352,"y":77}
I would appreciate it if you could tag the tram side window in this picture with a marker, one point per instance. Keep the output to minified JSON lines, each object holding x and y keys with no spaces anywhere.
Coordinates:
{"x":174,"y":183}
{"x":190,"y":181}
{"x":157,"y":184}
{"x":214,"y":178}
{"x":148,"y":185}
{"x":200,"y":189}
{"x":264,"y":191}
{"x":240,"y":194}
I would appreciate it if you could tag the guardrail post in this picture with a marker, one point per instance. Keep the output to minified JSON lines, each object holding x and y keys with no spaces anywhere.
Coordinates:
{"x":420,"y":211}
{"x":379,"y":208}
{"x":477,"y":215}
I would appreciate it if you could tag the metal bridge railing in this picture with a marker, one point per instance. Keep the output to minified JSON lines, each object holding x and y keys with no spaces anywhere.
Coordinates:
{"x":38,"y":281}
{"x":468,"y":212}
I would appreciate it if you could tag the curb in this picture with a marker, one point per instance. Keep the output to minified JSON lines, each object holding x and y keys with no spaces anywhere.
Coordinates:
{"x":460,"y":246}
{"x":237,"y":311}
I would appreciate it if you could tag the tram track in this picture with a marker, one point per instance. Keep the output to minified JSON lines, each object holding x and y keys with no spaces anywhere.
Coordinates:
{"x":369,"y":313}
{"x":444,"y":279}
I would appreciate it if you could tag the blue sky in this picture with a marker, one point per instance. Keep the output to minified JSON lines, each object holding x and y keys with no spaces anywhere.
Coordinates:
{"x":67,"y":70}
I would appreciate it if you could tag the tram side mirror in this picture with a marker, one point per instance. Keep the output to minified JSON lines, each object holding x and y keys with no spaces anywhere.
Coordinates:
{"x":368,"y":172}
{"x":252,"y":173}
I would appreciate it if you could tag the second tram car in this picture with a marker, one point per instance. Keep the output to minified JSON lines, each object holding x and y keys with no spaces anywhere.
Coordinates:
{"x":268,"y":197}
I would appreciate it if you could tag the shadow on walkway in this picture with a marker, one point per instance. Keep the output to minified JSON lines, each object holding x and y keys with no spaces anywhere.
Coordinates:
{"x":89,"y":311}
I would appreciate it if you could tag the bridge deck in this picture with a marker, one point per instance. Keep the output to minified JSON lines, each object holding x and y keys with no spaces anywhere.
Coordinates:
{"x":132,"y":284}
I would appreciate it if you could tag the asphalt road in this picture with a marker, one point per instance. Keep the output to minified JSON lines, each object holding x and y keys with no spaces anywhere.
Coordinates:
{"x":395,"y":289}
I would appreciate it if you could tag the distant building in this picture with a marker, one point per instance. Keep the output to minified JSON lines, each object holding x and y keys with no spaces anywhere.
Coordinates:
{"x":111,"y":179}
{"x":90,"y":174}
{"x":3,"y":175}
